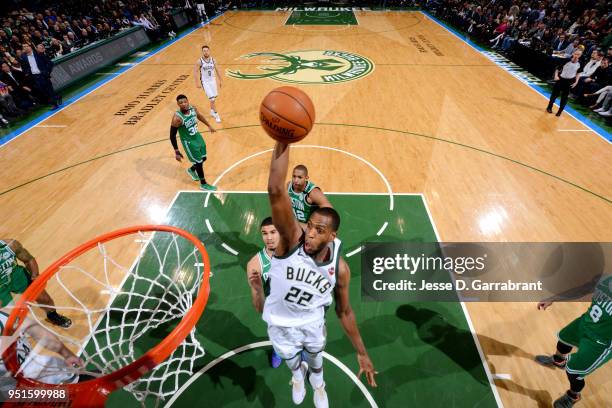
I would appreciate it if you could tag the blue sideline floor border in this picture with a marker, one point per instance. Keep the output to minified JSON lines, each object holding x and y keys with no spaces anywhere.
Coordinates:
{"x":27,"y":126}
{"x":575,"y":114}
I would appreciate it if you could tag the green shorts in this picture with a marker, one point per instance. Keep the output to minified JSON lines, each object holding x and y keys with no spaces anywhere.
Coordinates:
{"x":19,"y":280}
{"x":592,"y":353}
{"x":195,"y":149}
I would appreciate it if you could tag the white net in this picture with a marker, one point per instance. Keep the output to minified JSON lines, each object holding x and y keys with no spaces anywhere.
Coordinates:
{"x":120,"y":308}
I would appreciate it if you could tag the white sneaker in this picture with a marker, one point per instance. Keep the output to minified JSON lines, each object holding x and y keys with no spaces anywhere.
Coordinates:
{"x":299,"y":390}
{"x":598,"y":110}
{"x":217,"y":118}
{"x":320,"y":397}
{"x":606,"y":114}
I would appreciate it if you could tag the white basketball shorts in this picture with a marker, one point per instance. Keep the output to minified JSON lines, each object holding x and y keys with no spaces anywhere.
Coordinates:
{"x":210,"y":88}
{"x":290,"y":341}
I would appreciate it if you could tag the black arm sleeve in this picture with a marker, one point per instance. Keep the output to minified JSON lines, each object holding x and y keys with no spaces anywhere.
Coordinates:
{"x":173,"y":131}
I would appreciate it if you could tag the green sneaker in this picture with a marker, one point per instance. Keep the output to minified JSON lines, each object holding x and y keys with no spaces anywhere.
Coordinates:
{"x":193,"y":174}
{"x":207,"y":187}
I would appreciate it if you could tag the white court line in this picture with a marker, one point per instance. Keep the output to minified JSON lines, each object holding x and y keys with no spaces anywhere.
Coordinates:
{"x":509,"y":73}
{"x":268,"y":343}
{"x":485,"y":365}
{"x":382,"y":176}
{"x":201,"y":265}
{"x":353,"y":252}
{"x":125,"y":64}
{"x":208,"y":225}
{"x":288,"y":17}
{"x":229,"y":249}
{"x":382,"y":229}
{"x":360,"y":193}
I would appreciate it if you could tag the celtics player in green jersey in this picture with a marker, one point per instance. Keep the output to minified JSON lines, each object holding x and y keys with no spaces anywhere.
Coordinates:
{"x":591,"y":333}
{"x":305,"y":196}
{"x":257,"y":271}
{"x":185,"y":123}
{"x":15,"y":278}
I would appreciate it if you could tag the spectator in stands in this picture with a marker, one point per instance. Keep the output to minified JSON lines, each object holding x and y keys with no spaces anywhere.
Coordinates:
{"x":601,"y":78}
{"x":18,"y":86}
{"x":563,"y":80}
{"x":37,"y":67}
{"x":69,"y":41}
{"x":605,"y":100}
{"x":584,"y":77}
{"x":7,"y":104}
{"x":569,"y":50}
{"x":560,"y":42}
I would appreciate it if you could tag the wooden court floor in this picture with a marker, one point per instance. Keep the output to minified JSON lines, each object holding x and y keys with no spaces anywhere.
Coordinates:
{"x":433,"y":116}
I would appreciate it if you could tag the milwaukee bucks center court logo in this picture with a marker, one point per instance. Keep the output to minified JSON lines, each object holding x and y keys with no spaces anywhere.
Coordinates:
{"x":307,"y":67}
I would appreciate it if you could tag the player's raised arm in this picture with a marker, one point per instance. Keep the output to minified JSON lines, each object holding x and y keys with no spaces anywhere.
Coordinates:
{"x":349,"y":324}
{"x":282,"y":213}
{"x":202,"y":119}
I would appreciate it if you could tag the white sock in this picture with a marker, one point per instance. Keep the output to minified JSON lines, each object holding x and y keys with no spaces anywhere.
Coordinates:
{"x":316,"y":379}
{"x":298,"y":375}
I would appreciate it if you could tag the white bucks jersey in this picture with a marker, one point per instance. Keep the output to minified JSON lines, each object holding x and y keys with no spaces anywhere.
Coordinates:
{"x":207,"y":69}
{"x":38,"y":364}
{"x":300,"y":289}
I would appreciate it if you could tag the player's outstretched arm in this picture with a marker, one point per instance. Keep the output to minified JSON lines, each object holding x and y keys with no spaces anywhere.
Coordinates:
{"x":174,"y":125}
{"x":24,"y":256}
{"x":282,"y":214}
{"x":253,"y":270}
{"x":202,"y":119}
{"x":349,"y":324}
{"x":319,"y":199}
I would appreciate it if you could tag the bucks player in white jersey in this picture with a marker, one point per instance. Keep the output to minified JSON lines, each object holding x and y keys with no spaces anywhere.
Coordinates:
{"x":206,"y":75}
{"x":591,"y":334}
{"x":304,"y":194}
{"x":56,"y":368}
{"x":15,"y":278}
{"x":306,"y":276}
{"x":258,"y":273}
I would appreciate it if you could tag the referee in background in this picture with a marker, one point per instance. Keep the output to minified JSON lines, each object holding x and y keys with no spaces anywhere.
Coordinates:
{"x":564,"y":81}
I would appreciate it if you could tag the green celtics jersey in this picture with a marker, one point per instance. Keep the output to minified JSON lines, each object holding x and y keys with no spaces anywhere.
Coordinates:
{"x":266,"y":264}
{"x":597,"y":321}
{"x":301,"y":208}
{"x":189,"y":129}
{"x":8,"y":262}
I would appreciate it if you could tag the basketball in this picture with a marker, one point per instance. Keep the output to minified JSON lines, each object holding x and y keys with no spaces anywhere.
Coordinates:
{"x":287,"y":114}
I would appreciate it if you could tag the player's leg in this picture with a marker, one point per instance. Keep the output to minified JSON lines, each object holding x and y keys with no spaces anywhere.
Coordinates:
{"x":21,"y":279}
{"x":210,"y":88}
{"x":314,"y":343}
{"x":288,"y":344}
{"x":569,"y":337}
{"x":591,"y":354}
{"x":196,"y":153}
